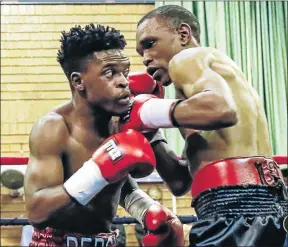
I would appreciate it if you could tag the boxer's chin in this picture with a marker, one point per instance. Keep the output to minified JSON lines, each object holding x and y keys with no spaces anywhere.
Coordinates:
{"x":121,"y":111}
{"x":165,"y":80}
{"x":118,"y":110}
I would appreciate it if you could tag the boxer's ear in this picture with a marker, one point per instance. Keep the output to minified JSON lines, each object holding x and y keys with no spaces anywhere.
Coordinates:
{"x":76,"y":81}
{"x":185,"y":33}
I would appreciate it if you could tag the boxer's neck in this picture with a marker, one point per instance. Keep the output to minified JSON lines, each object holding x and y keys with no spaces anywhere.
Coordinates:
{"x":89,"y":116}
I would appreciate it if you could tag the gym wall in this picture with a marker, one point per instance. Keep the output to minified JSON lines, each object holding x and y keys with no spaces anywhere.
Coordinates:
{"x":32,"y":82}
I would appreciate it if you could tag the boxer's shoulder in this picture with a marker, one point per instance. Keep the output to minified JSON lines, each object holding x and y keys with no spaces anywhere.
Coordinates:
{"x":199,"y":55}
{"x":198,"y":58}
{"x":195,"y":53}
{"x":198,"y":51}
{"x":206,"y":57}
{"x":49,"y":131}
{"x":51,"y":120}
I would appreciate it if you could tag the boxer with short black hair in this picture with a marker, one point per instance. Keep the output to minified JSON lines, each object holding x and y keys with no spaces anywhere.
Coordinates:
{"x":80,"y":169}
{"x":237,"y":188}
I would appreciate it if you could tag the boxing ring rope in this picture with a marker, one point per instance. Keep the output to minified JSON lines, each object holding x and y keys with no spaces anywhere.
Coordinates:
{"x":22,"y":161}
{"x":280,"y":159}
{"x":116,"y":220}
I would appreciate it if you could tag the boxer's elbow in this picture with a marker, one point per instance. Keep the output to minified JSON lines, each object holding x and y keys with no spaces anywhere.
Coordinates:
{"x":180,"y":187}
{"x":35,"y":212}
{"x":228,"y":117}
{"x":179,"y":190}
{"x":224,"y":113}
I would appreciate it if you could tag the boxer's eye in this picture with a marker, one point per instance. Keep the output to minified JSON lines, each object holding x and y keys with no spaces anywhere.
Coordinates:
{"x":108,"y":73}
{"x":148,"y":44}
{"x":126,"y":73}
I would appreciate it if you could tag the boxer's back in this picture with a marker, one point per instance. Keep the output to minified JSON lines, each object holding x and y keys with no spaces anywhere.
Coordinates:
{"x":249,"y":136}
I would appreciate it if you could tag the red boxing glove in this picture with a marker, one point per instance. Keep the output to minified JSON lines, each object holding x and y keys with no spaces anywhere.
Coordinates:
{"x":164,"y":228}
{"x":143,"y":83}
{"x":147,"y":113}
{"x":121,"y":154}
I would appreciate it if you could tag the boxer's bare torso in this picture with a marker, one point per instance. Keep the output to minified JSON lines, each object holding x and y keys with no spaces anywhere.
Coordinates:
{"x":79,"y":142}
{"x":248,"y":137}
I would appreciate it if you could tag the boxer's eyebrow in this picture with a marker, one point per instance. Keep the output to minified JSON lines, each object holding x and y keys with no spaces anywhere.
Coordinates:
{"x":111,"y":64}
{"x":115,"y":64}
{"x":145,"y":41}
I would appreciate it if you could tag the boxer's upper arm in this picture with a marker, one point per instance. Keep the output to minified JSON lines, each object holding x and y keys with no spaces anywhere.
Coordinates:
{"x":47,"y":141}
{"x":171,"y":169}
{"x":207,"y":74}
{"x":209,"y":100}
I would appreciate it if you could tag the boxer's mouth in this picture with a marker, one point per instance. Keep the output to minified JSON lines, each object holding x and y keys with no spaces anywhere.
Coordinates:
{"x":151,"y":70}
{"x":157,"y":75}
{"x":124,"y":98}
{"x":124,"y":101}
{"x":162,"y":76}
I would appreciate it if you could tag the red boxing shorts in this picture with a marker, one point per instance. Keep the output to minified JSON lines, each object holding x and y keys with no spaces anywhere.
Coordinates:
{"x":49,"y":237}
{"x":238,"y":202}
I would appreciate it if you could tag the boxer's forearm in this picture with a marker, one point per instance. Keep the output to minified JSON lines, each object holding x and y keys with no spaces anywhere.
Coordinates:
{"x":44,"y":203}
{"x":128,"y":187}
{"x":205,"y":111}
{"x":171,"y":169}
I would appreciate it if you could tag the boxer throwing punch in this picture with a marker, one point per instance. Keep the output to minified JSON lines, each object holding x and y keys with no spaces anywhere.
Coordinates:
{"x":79,"y":169}
{"x":237,"y":188}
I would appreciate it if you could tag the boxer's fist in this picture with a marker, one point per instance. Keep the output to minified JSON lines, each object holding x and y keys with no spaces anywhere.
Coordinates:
{"x":147,"y":113}
{"x":143,"y":83}
{"x":123,"y":153}
{"x":133,"y":119}
{"x":164,"y":228}
{"x":119,"y":155}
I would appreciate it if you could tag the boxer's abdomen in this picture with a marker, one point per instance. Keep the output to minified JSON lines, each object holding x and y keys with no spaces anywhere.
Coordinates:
{"x":209,"y":146}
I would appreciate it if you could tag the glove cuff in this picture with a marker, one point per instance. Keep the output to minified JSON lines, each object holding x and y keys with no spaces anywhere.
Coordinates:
{"x":86,"y":183}
{"x":156,"y":113}
{"x":173,"y":120}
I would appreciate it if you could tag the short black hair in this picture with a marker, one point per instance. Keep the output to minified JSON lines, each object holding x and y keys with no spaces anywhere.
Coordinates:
{"x":79,"y":44}
{"x":175,"y":15}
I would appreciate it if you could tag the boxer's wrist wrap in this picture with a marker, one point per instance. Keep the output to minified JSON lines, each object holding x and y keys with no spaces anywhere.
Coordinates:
{"x":155,"y":113}
{"x":137,"y":203}
{"x":173,"y":120}
{"x":86,"y":183}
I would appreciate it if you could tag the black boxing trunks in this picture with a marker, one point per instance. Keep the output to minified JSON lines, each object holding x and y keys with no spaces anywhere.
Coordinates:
{"x":238,"y":203}
{"x":49,"y":237}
